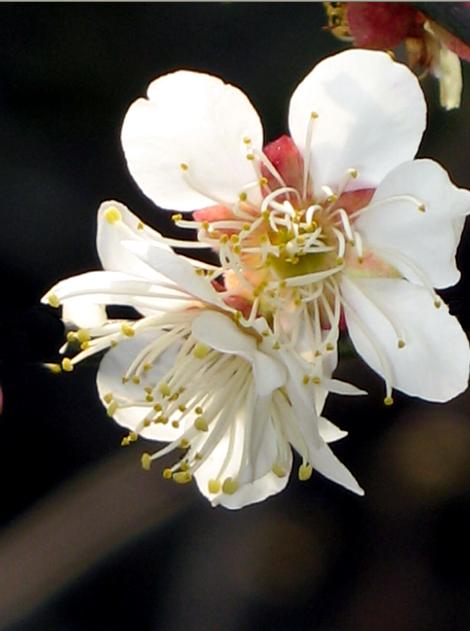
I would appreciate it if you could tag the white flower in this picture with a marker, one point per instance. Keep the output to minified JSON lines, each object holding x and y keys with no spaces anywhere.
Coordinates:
{"x":340,"y":219}
{"x":193,"y":373}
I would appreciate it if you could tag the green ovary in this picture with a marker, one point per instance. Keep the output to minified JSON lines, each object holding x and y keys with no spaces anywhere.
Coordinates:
{"x":306,"y":264}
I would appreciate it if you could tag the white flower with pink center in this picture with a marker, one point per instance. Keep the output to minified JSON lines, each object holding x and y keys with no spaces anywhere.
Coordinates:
{"x":187,"y":372}
{"x":337,"y":219}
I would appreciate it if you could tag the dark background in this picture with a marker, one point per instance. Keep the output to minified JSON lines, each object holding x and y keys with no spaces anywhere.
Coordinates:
{"x":89,"y":542}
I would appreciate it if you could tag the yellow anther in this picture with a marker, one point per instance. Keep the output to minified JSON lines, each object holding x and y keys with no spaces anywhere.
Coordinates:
{"x":388,"y":401}
{"x":147,"y":422}
{"x":205,"y":225}
{"x":162,"y":420}
{"x":174,"y":396}
{"x":305,"y":472}
{"x":182,"y":477}
{"x":112,"y":215}
{"x":332,"y":198}
{"x":265,"y":215}
{"x":316,"y":380}
{"x":184,"y":466}
{"x":149,"y":398}
{"x":263,"y":181}
{"x":53,"y":301}
{"x":201,"y":350}
{"x":184,"y":166}
{"x":230,"y":486}
{"x":176,"y":217}
{"x":112,"y":408}
{"x":182,"y":407}
{"x":422,"y":208}
{"x":157,"y":407}
{"x":113,"y":343}
{"x":198,"y":410}
{"x":67,"y":365}
{"x":84,"y":346}
{"x":184,"y":443}
{"x":83,"y":335}
{"x":401,"y":344}
{"x":200,"y":272}
{"x":146,"y":461}
{"x":213,"y":486}
{"x":147,"y":367}
{"x":305,"y":380}
{"x":250,"y":156}
{"x":175,"y":424}
{"x":236,"y":249}
{"x":55,"y":368}
{"x":313,"y":115}
{"x":148,"y":389}
{"x":330,"y":347}
{"x":317,"y":354}
{"x":164,"y":389}
{"x":198,"y":455}
{"x":167,"y":474}
{"x":108,"y":397}
{"x":124,"y":379}
{"x":247,"y":140}
{"x":140,"y":226}
{"x":127,"y":329}
{"x":71,"y":336}
{"x":339,"y":260}
{"x":136,"y":379}
{"x":201,"y":424}
{"x":224,"y":238}
{"x":246,"y":226}
{"x":276,"y":346}
{"x":265,"y":333}
{"x":282,"y":284}
{"x":279,"y":471}
{"x":234,"y":238}
{"x":297,"y":301}
{"x":353,"y":173}
{"x":437,"y":304}
{"x":243,"y":197}
{"x":263,"y":238}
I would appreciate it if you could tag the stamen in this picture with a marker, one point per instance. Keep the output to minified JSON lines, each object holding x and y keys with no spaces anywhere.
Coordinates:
{"x":307,"y":153}
{"x":389,"y":200}
{"x":270,"y":167}
{"x":193,"y":184}
{"x":386,"y":368}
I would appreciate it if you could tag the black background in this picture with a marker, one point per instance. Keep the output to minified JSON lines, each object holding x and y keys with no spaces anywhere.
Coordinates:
{"x":312,"y":558}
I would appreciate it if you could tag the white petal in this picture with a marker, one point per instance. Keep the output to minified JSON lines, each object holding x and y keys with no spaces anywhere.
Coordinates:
{"x":194,"y":119}
{"x":175,"y":270}
{"x":114,"y":366}
{"x":429,"y":239}
{"x":344,"y":388}
{"x":329,"y":431}
{"x":320,"y":455}
{"x":83,"y":296}
{"x":255,"y":477}
{"x":220,"y":332}
{"x":434,"y":363}
{"x":110,"y":237}
{"x":371,"y":117}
